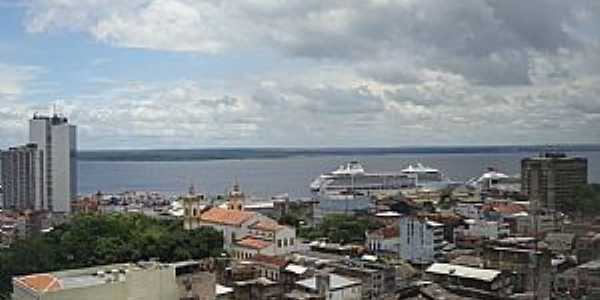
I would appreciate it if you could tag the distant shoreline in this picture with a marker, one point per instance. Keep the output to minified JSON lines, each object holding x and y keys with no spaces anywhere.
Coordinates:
{"x":282,"y":153}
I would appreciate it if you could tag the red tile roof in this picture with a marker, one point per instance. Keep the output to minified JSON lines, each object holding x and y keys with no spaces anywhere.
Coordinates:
{"x":278,"y":261}
{"x":253,"y":243}
{"x":388,"y":232}
{"x":267,"y":225}
{"x":504,"y":208}
{"x":41,"y":283}
{"x":446,"y":218}
{"x":223,"y":216}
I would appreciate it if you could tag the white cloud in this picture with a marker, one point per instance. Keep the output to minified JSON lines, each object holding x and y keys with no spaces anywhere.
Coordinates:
{"x":376,"y":73}
{"x":13,"y":78}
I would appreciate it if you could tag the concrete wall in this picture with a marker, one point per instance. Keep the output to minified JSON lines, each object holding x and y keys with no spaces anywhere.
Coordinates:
{"x":288,"y":241}
{"x":200,"y":284}
{"x":350,"y":293}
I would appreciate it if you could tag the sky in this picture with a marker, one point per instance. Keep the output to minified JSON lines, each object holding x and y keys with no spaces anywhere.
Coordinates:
{"x":303,"y":73}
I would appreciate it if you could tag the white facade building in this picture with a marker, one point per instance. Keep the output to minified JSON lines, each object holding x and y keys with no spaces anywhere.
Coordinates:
{"x":245,"y":233}
{"x":57,"y":140}
{"x":420,"y":239}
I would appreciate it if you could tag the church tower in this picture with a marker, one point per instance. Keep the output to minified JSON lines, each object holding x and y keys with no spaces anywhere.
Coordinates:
{"x":236,"y":198}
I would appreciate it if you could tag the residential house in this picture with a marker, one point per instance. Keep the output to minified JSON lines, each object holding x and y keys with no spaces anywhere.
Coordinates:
{"x":195,"y":280}
{"x":377,"y":279}
{"x":293,"y":273}
{"x":331,"y":286}
{"x":269,"y":267}
{"x":587,"y":247}
{"x":560,"y":242}
{"x":469,"y":210}
{"x":259,"y":288}
{"x":450,"y":221}
{"x":489,"y":283}
{"x":526,"y":224}
{"x":579,"y":281}
{"x":532,"y":268}
{"x":499,"y":210}
{"x":488,"y":230}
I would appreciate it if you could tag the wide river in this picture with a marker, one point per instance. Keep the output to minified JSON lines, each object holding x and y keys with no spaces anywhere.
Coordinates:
{"x":267,"y":177}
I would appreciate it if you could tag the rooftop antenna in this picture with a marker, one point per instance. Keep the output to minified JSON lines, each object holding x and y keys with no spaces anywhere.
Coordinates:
{"x":192,"y":189}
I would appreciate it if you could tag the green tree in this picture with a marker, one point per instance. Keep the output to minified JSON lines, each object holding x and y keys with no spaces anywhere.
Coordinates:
{"x":89,"y":240}
{"x":341,"y":228}
{"x":290,"y":220}
{"x":587,"y":200}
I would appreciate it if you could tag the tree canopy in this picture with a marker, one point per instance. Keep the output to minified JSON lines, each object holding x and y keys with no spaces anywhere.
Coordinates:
{"x":587,"y":199}
{"x":339,"y":228}
{"x":89,"y":240}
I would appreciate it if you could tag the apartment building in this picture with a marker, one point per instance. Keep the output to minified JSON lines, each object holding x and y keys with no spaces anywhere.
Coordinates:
{"x":421,"y":240}
{"x":22,"y":178}
{"x":57,"y":139}
{"x":551,"y":179}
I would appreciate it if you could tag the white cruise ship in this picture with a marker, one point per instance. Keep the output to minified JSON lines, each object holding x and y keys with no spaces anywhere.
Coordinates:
{"x":493,"y":179}
{"x":424,"y":174}
{"x":352,"y":179}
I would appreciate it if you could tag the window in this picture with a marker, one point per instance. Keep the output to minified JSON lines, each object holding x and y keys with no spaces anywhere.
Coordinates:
{"x":285,"y":242}
{"x":278,"y":243}
{"x":291,"y":241}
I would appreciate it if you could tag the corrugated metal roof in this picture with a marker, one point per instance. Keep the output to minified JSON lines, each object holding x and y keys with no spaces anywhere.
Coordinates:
{"x":464,"y":272}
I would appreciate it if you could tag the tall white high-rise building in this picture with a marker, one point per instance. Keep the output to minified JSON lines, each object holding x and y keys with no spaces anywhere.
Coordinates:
{"x":57,"y":139}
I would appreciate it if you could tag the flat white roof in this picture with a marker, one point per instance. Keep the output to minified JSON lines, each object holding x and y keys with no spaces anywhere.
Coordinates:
{"x":258,"y":205}
{"x":434,"y":224}
{"x":369,"y":257}
{"x":222,"y":290}
{"x":296,"y":269}
{"x":335,"y":282}
{"x":464,"y":272}
{"x":388,"y":214}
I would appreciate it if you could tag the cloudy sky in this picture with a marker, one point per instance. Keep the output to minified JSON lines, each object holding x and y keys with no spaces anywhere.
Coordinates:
{"x":213,"y":73}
